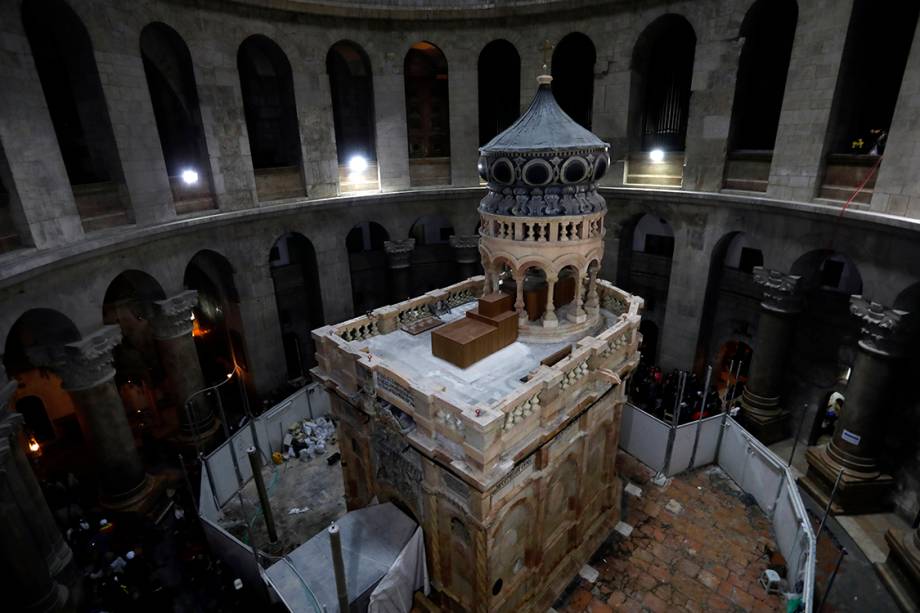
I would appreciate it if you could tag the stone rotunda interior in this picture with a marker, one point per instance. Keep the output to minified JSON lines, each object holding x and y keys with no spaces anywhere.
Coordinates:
{"x":464,"y":275}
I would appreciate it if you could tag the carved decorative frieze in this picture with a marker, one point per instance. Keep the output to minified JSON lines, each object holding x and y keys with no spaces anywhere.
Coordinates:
{"x":83,"y":364}
{"x":884,"y":330}
{"x":172,"y":317}
{"x":781,"y":292}
{"x":399,"y":252}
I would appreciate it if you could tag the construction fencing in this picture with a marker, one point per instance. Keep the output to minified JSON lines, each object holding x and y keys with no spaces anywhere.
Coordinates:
{"x":670,"y":450}
{"x":226,"y":470}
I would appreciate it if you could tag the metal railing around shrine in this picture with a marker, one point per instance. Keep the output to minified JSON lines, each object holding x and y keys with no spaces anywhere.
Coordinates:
{"x":670,"y":450}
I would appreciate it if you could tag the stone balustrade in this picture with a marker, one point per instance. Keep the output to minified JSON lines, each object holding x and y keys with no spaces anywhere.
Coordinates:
{"x":479,"y":436}
{"x":572,"y":228}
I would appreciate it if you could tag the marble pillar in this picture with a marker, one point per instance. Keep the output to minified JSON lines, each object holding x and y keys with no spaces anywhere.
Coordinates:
{"x":870,"y":394}
{"x":466,"y":254}
{"x":399,"y":261}
{"x":549,"y":316}
{"x":760,"y":403}
{"x":85,"y":367}
{"x":172,"y":329}
{"x":22,"y":491}
{"x":21,"y":560}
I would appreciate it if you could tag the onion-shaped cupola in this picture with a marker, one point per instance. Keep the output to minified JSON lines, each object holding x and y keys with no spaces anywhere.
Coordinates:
{"x":545,"y":164}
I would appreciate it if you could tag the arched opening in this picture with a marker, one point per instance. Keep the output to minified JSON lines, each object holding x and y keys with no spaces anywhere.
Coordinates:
{"x":659,"y":102}
{"x":573,"y":76}
{"x":427,"y":115}
{"x":644,"y":263}
{"x":730,"y":368}
{"x":10,"y":209}
{"x":352,"y":87}
{"x":768,"y":31}
{"x":138,"y":372}
{"x":878,"y":41}
{"x":432,"y":259}
{"x":36,"y":419}
{"x":367,"y":262}
{"x":732,"y":301}
{"x":174,"y":96}
{"x":63,"y":54}
{"x":271,"y":118}
{"x":824,"y":345}
{"x":564,"y":292}
{"x":217,"y":328}
{"x":48,"y":409}
{"x":499,"y":72}
{"x":536,"y":289}
{"x":297,"y":294}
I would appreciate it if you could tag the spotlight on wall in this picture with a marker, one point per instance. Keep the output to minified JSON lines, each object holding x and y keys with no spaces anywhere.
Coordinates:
{"x":656,"y":155}
{"x":189,"y":176}
{"x":356,"y":167}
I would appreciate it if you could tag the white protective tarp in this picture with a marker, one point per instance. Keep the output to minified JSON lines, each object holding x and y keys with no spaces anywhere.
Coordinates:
{"x":395,"y":592}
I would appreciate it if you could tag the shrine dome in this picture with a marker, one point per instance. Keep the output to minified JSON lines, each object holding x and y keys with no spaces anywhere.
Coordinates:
{"x":545,"y":164}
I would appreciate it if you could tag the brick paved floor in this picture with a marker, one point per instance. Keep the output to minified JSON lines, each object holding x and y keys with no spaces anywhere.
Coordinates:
{"x":706,"y":556}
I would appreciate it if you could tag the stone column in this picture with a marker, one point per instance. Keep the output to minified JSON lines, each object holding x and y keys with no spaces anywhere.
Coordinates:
{"x":578,"y":314}
{"x":549,"y":316}
{"x":592,"y":301}
{"x":172,"y":329}
{"x":781,"y":304}
{"x":399,"y":260}
{"x":901,"y":571}
{"x":21,"y":557}
{"x":27,"y":493}
{"x":519,"y":304}
{"x":466,"y":254}
{"x":86,"y":370}
{"x":871,"y":391}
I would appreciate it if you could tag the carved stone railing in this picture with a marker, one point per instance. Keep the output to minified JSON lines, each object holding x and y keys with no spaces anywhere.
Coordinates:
{"x":618,"y":301}
{"x":569,"y":228}
{"x":479,"y":436}
{"x":386,"y":319}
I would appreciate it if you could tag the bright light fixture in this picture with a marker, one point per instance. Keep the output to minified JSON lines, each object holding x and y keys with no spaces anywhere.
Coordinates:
{"x":189,"y":176}
{"x":656,"y":155}
{"x":357,"y":164}
{"x":356,"y":167}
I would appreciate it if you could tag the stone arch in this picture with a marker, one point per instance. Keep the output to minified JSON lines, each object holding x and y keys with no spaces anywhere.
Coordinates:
{"x":367,"y":264}
{"x":66,"y":65}
{"x":174,"y":96}
{"x":732,"y":298}
{"x":351,"y":85}
{"x":573,"y":76}
{"x":661,"y":74}
{"x":218,"y":330}
{"x":427,"y":114}
{"x":499,"y":74}
{"x":768,"y":31}
{"x":824,"y":346}
{"x":298,"y":297}
{"x":267,"y":88}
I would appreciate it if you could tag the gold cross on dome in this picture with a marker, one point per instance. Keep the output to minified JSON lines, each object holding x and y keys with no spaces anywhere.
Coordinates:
{"x":547,"y":53}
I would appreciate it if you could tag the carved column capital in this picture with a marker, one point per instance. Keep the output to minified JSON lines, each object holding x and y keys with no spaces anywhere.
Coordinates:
{"x":782,"y":292}
{"x":399,"y":252}
{"x":172,"y":317}
{"x":83,"y":364}
{"x":884,"y":330}
{"x":466,"y":248}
